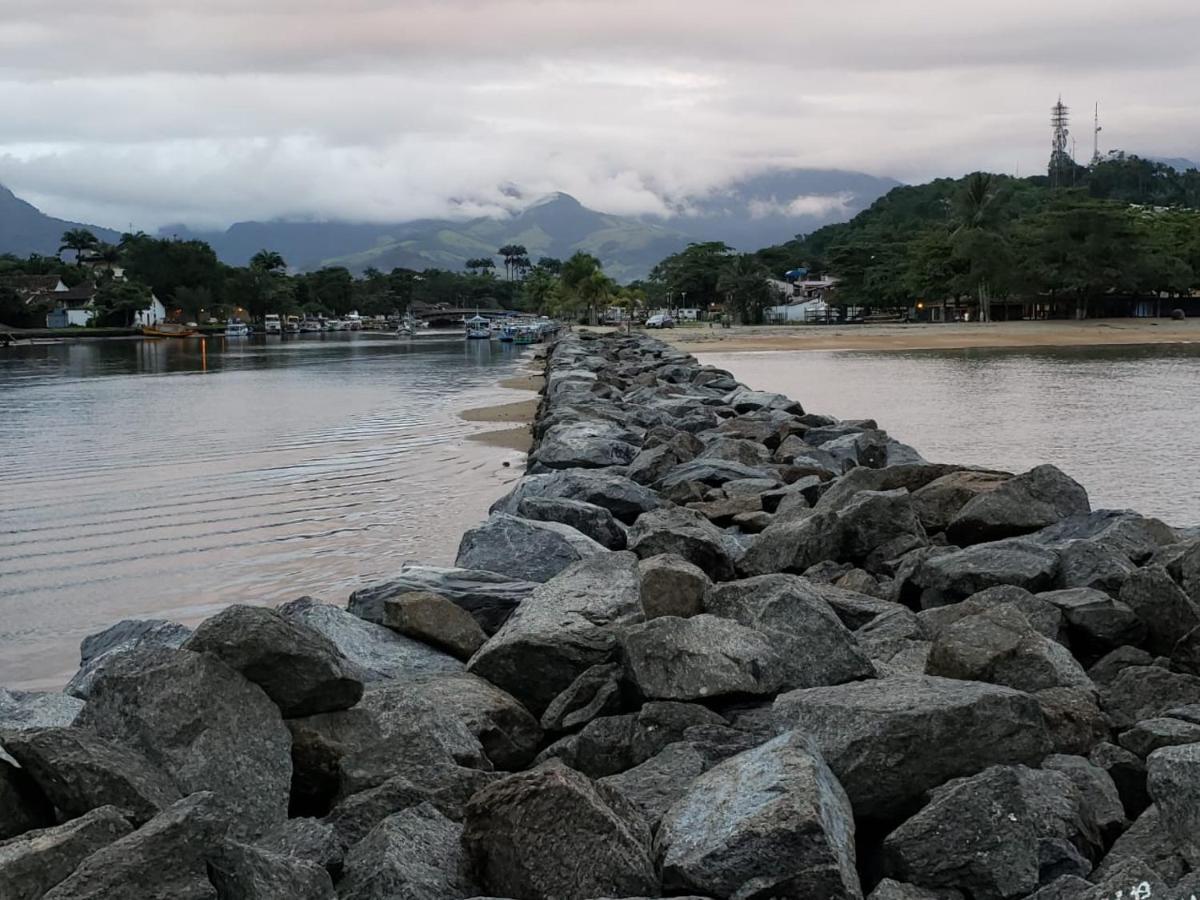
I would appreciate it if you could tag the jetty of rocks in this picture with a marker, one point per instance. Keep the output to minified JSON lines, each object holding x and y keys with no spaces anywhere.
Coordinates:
{"x":711,"y":645}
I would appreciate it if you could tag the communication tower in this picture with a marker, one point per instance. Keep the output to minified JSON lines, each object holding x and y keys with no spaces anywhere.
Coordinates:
{"x":1096,"y":138}
{"x":1062,"y":166}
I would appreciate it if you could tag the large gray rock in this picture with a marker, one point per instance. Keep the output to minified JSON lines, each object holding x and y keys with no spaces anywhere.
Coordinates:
{"x":203,"y":724}
{"x":996,"y":835}
{"x":245,"y":872}
{"x":816,"y":648}
{"x":298,"y":667}
{"x":127,"y":634}
{"x":562,"y":629}
{"x":488,"y":596}
{"x":672,"y":586}
{"x":379,"y":653}
{"x":702,"y":657}
{"x":655,"y":785}
{"x":738,"y":450}
{"x":791,"y":545}
{"x":948,"y":577}
{"x":308,"y":839}
{"x":892,"y":739}
{"x":1147,"y":842}
{"x":79,"y":772}
{"x":937,"y":503}
{"x":622,"y":497}
{"x":533,"y":551}
{"x":33,"y":863}
{"x":710,"y":472}
{"x":586,"y":445}
{"x":770,"y":822}
{"x":588,"y":518}
{"x":1150,"y":734}
{"x":1173,"y":780}
{"x":429,"y":617}
{"x":685,"y":533}
{"x":36,"y":709}
{"x":1143,"y":692}
{"x":1026,"y":503}
{"x":162,"y":859}
{"x":1122,"y":531}
{"x":1171,"y":617}
{"x":1087,"y":564}
{"x":415,"y":854}
{"x":1096,"y":622}
{"x":1045,"y":618}
{"x":23,"y":806}
{"x":878,"y":524}
{"x":1099,"y":798}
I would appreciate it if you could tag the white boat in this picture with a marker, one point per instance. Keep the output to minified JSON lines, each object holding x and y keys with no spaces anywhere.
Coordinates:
{"x":334,"y":325}
{"x":353,"y":321}
{"x":309,"y":324}
{"x":291,"y":325}
{"x":478,"y":329}
{"x":236,"y":328}
{"x":272,"y":324}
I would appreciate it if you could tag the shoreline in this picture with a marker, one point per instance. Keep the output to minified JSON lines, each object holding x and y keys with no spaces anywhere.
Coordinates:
{"x":950,"y":336}
{"x":517,"y":414}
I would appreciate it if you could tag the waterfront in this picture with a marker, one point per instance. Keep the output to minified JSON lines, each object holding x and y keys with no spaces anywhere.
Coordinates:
{"x":146,"y":479}
{"x":1122,"y":421}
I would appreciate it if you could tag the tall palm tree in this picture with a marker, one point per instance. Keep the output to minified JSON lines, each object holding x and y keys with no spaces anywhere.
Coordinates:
{"x":80,"y":240}
{"x":975,"y":235}
{"x":267,"y":261}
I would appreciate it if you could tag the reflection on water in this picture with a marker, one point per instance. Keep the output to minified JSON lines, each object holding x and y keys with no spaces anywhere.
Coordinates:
{"x":1123,"y":421}
{"x":167,"y":478}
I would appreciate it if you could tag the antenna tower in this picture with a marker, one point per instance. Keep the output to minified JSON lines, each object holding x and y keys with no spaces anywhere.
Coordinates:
{"x":1096,"y":138}
{"x":1061,"y":164}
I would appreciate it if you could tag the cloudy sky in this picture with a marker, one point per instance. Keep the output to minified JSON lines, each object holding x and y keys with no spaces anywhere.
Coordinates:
{"x":145,"y":112}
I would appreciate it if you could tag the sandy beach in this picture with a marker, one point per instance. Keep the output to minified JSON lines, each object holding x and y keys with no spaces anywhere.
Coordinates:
{"x":1091,"y":332}
{"x":517,"y":414}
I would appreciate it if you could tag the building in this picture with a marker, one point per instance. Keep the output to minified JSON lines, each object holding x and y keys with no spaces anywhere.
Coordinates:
{"x":72,"y":307}
{"x":151,"y":315}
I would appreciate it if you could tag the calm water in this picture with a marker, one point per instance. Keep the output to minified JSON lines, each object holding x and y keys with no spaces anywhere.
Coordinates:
{"x":1123,"y":421}
{"x":138,"y":478}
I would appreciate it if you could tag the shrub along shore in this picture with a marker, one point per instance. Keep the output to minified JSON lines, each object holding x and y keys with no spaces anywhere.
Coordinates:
{"x":711,"y":645}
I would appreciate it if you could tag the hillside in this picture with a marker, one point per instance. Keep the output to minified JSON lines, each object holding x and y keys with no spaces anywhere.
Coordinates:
{"x":24,"y":229}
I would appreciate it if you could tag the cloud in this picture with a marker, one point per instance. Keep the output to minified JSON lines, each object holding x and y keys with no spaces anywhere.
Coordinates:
{"x":156,"y":111}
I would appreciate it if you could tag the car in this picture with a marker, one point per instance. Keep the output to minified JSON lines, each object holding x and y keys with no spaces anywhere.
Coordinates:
{"x":660,"y":321}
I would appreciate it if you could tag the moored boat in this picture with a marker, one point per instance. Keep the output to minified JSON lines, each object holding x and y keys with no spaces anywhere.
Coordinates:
{"x":236,"y":328}
{"x":291,"y":325}
{"x":477,"y":329}
{"x":168,"y":329}
{"x":272,"y":324}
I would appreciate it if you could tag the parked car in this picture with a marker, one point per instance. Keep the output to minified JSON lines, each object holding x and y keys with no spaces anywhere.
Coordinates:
{"x":660,"y":321}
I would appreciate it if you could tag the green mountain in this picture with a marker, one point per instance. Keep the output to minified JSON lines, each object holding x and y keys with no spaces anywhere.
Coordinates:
{"x":24,"y":229}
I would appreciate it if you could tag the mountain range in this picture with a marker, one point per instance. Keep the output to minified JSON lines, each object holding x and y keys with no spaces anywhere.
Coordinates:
{"x":747,"y":214}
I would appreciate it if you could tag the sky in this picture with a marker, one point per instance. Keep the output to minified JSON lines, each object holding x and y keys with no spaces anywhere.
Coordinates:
{"x":147,"y":112}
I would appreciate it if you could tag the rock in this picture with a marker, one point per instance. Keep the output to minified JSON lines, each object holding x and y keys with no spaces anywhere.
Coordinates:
{"x":911,"y":477}
{"x":684,"y":533}
{"x":533,"y":551}
{"x":23,"y":806}
{"x":34,"y":863}
{"x":791,"y":545}
{"x":244,"y":872}
{"x":1044,"y":617}
{"x":999,"y":834}
{"x":1096,"y":622}
{"x":1099,"y":798}
{"x":562,"y":629}
{"x":710,"y":472}
{"x":1146,"y":842}
{"x":299,"y":668}
{"x":1085,"y":564}
{"x":586,"y":445}
{"x":78,"y":772}
{"x":34,"y":709}
{"x":878,"y":520}
{"x":1133,"y":536}
{"x":889,"y":889}
{"x":594,"y":521}
{"x":622,"y":497}
{"x":672,"y":586}
{"x":1143,"y":692}
{"x":770,"y":822}
{"x":744,"y":400}
{"x":595,"y":692}
{"x":1171,"y":618}
{"x":128,"y":634}
{"x":1073,"y":718}
{"x":815,"y":647}
{"x":653,"y":463}
{"x":431,"y":618}
{"x":738,"y":450}
{"x":1150,"y":734}
{"x":307,"y":839}
{"x":1127,"y":772}
{"x":937,"y":503}
{"x":1173,"y":780}
{"x":553,"y":832}
{"x":1025,"y":503}
{"x":653,"y":786}
{"x":1110,"y":665}
{"x":957,"y":575}
{"x":890,"y":740}
{"x":488,"y":596}
{"x":202,"y":724}
{"x":379,"y":653}
{"x":414,"y":854}
{"x":164,"y":858}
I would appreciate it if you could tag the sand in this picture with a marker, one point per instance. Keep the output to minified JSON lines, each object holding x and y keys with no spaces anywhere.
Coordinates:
{"x":518,"y":413}
{"x":1091,"y":332}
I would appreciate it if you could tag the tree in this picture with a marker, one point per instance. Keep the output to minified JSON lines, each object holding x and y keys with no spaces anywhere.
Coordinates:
{"x":541,"y":291}
{"x":977,"y":241}
{"x":267,"y":261}
{"x":512,"y":253}
{"x":744,"y":285}
{"x":194,"y":302}
{"x":81,"y":240}
{"x":693,"y":273}
{"x":121,"y":300}
{"x":480,"y":265}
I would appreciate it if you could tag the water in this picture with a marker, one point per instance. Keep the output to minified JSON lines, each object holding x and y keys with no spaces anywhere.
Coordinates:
{"x":1123,"y":421}
{"x":142,"y":479}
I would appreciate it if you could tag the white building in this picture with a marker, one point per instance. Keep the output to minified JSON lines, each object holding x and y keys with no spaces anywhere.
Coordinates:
{"x":152,"y":314}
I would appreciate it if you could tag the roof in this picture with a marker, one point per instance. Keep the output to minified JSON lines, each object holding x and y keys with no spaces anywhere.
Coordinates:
{"x":30,"y":284}
{"x":80,"y":295}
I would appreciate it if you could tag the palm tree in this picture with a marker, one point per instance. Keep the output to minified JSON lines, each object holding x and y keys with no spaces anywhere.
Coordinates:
{"x":80,"y":240}
{"x":512,"y":254}
{"x":975,"y":237}
{"x":267,"y":261}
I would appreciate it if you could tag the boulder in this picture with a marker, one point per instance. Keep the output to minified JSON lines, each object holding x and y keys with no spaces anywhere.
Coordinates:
{"x":1147,"y":842}
{"x":431,"y":618}
{"x":533,"y":551}
{"x":78,"y":772}
{"x":594,"y":521}
{"x":1025,"y":503}
{"x":815,"y":647}
{"x":672,"y":586}
{"x":32,"y":864}
{"x":1086,"y":564}
{"x":890,"y":889}
{"x":892,"y":739}
{"x":488,"y":596}
{"x":955,"y":576}
{"x":563,"y":628}
{"x":743,"y":400}
{"x":586,"y":445}
{"x":1044,"y":617}
{"x":1073,"y":718}
{"x":127,"y":634}
{"x":415,"y":854}
{"x":878,"y":523}
{"x":1143,"y":692}
{"x":379,"y":653}
{"x":244,"y":872}
{"x":791,"y":545}
{"x":1151,"y":734}
{"x":308,"y":839}
{"x":937,"y":503}
{"x":23,"y":806}
{"x":622,"y":497}
{"x":1100,"y":801}
{"x":203,"y":724}
{"x":553,"y":832}
{"x":1127,"y":772}
{"x":1105,"y":669}
{"x":1173,"y":780}
{"x":36,"y":709}
{"x":770,"y":822}
{"x":1171,"y":617}
{"x":1133,"y":536}
{"x":298,"y":668}
{"x":655,"y":785}
{"x":702,"y":657}
{"x":1096,"y":623}
{"x":685,"y":533}
{"x":738,"y":450}
{"x":595,"y":692}
{"x":710,"y":472}
{"x":164,"y":858}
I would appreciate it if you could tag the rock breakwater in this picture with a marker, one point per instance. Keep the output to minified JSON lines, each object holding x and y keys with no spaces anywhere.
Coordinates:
{"x":711,"y":645}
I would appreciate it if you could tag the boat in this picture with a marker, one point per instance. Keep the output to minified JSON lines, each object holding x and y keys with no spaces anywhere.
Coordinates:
{"x":477,"y":329}
{"x":507,"y":334}
{"x":310,"y":324}
{"x":291,"y":325}
{"x":168,"y":330}
{"x":236,"y":328}
{"x":352,"y":321}
{"x":271,"y":324}
{"x":526,"y":334}
{"x":334,"y":325}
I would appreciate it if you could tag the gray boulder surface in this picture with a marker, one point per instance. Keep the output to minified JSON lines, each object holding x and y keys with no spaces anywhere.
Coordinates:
{"x":128,"y":634}
{"x":672,"y":586}
{"x":37,"y":709}
{"x":1171,"y":617}
{"x":594,"y":521}
{"x":1173,"y":780}
{"x":1025,"y":503}
{"x":488,"y":596}
{"x":685,"y":533}
{"x":298,"y":668}
{"x":203,"y":724}
{"x":23,"y":806}
{"x":955,"y":576}
{"x":248,"y":872}
{"x":586,"y":445}
{"x":532,"y":551}
{"x":431,"y":618}
{"x":622,"y":497}
{"x":32,"y":864}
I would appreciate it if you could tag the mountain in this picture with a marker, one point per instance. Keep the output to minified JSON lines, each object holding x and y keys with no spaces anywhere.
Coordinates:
{"x":1178,"y":163}
{"x":25,"y":229}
